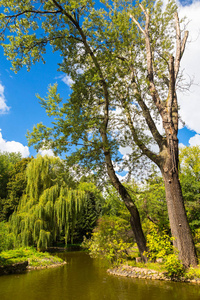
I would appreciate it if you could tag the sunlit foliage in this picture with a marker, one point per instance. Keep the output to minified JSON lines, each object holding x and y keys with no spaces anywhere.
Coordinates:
{"x":49,"y":204}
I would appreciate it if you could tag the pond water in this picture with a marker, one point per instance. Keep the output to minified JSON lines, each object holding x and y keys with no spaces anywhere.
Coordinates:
{"x":84,"y":278}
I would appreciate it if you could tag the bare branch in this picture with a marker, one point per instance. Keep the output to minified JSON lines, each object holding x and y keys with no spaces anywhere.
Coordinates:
{"x":180,"y":45}
{"x":146,"y":113}
{"x":144,"y":11}
{"x":171,"y":87}
{"x":137,"y":23}
{"x":184,"y":42}
{"x":149,"y":58}
{"x":153,"y":156}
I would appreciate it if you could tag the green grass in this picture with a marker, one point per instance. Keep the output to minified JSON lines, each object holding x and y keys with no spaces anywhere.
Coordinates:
{"x":149,"y":265}
{"x":34,"y":257}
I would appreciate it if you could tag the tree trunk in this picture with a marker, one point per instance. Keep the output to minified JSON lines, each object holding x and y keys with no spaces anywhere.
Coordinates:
{"x":135,"y":223}
{"x":178,"y":220}
{"x":135,"y":217}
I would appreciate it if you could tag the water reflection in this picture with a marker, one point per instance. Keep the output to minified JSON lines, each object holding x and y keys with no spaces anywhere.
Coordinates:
{"x":84,"y":278}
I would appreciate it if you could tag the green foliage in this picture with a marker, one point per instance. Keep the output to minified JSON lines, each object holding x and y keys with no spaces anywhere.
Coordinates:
{"x":113,"y":204}
{"x":174,"y":266}
{"x":16,"y":186}
{"x":192,"y":273}
{"x":151,"y":201}
{"x":190,"y":182}
{"x":6,"y":238}
{"x":49,"y":205}
{"x":110,"y":240}
{"x":34,"y":257}
{"x":87,"y":217}
{"x":159,"y":244}
{"x":197,"y":236}
{"x":104,"y":46}
{"x":7,"y":163}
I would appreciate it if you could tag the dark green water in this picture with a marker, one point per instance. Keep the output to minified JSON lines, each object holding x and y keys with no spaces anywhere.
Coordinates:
{"x":84,"y":278}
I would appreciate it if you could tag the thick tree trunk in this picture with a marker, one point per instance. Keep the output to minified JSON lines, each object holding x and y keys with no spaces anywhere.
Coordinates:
{"x":178,"y":220}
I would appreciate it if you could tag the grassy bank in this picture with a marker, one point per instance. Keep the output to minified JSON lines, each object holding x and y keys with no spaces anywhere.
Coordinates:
{"x":34,"y":258}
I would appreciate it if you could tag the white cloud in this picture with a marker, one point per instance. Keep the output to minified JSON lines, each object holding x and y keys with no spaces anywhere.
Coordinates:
{"x":3,"y":107}
{"x":181,"y":145}
{"x":67,"y":80}
{"x":125,"y":150}
{"x":44,"y":152}
{"x":13,"y":147}
{"x":190,"y":101}
{"x":195,"y":140}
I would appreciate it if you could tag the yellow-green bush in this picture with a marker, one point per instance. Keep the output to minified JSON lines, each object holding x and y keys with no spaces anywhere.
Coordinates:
{"x":159,"y":244}
{"x":110,"y":239}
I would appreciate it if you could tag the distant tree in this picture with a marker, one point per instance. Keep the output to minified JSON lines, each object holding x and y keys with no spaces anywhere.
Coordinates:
{"x":190,"y":182}
{"x":16,"y":187}
{"x":90,"y":212}
{"x":7,"y":163}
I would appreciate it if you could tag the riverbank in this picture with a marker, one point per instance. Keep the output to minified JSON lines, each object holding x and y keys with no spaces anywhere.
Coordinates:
{"x":23,"y":259}
{"x":143,"y":273}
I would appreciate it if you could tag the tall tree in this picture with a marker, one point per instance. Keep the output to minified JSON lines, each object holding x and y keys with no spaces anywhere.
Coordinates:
{"x":49,"y":205}
{"x":124,"y":60}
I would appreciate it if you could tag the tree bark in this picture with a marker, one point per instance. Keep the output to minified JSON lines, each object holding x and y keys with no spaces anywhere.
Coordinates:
{"x":180,"y":229}
{"x":135,"y":222}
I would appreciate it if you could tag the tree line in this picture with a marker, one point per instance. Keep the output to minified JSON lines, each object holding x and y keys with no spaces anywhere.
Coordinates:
{"x":43,"y":204}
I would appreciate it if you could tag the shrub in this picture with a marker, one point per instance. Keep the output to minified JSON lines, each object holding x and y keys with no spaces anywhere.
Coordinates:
{"x":174,"y":266}
{"x":192,"y":273}
{"x":110,"y":239}
{"x":197,"y":236}
{"x":159,"y":244}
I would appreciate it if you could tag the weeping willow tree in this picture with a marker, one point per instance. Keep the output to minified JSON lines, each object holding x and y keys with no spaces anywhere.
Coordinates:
{"x":49,"y":205}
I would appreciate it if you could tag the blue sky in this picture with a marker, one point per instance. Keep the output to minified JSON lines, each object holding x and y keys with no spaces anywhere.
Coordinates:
{"x":20,"y":109}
